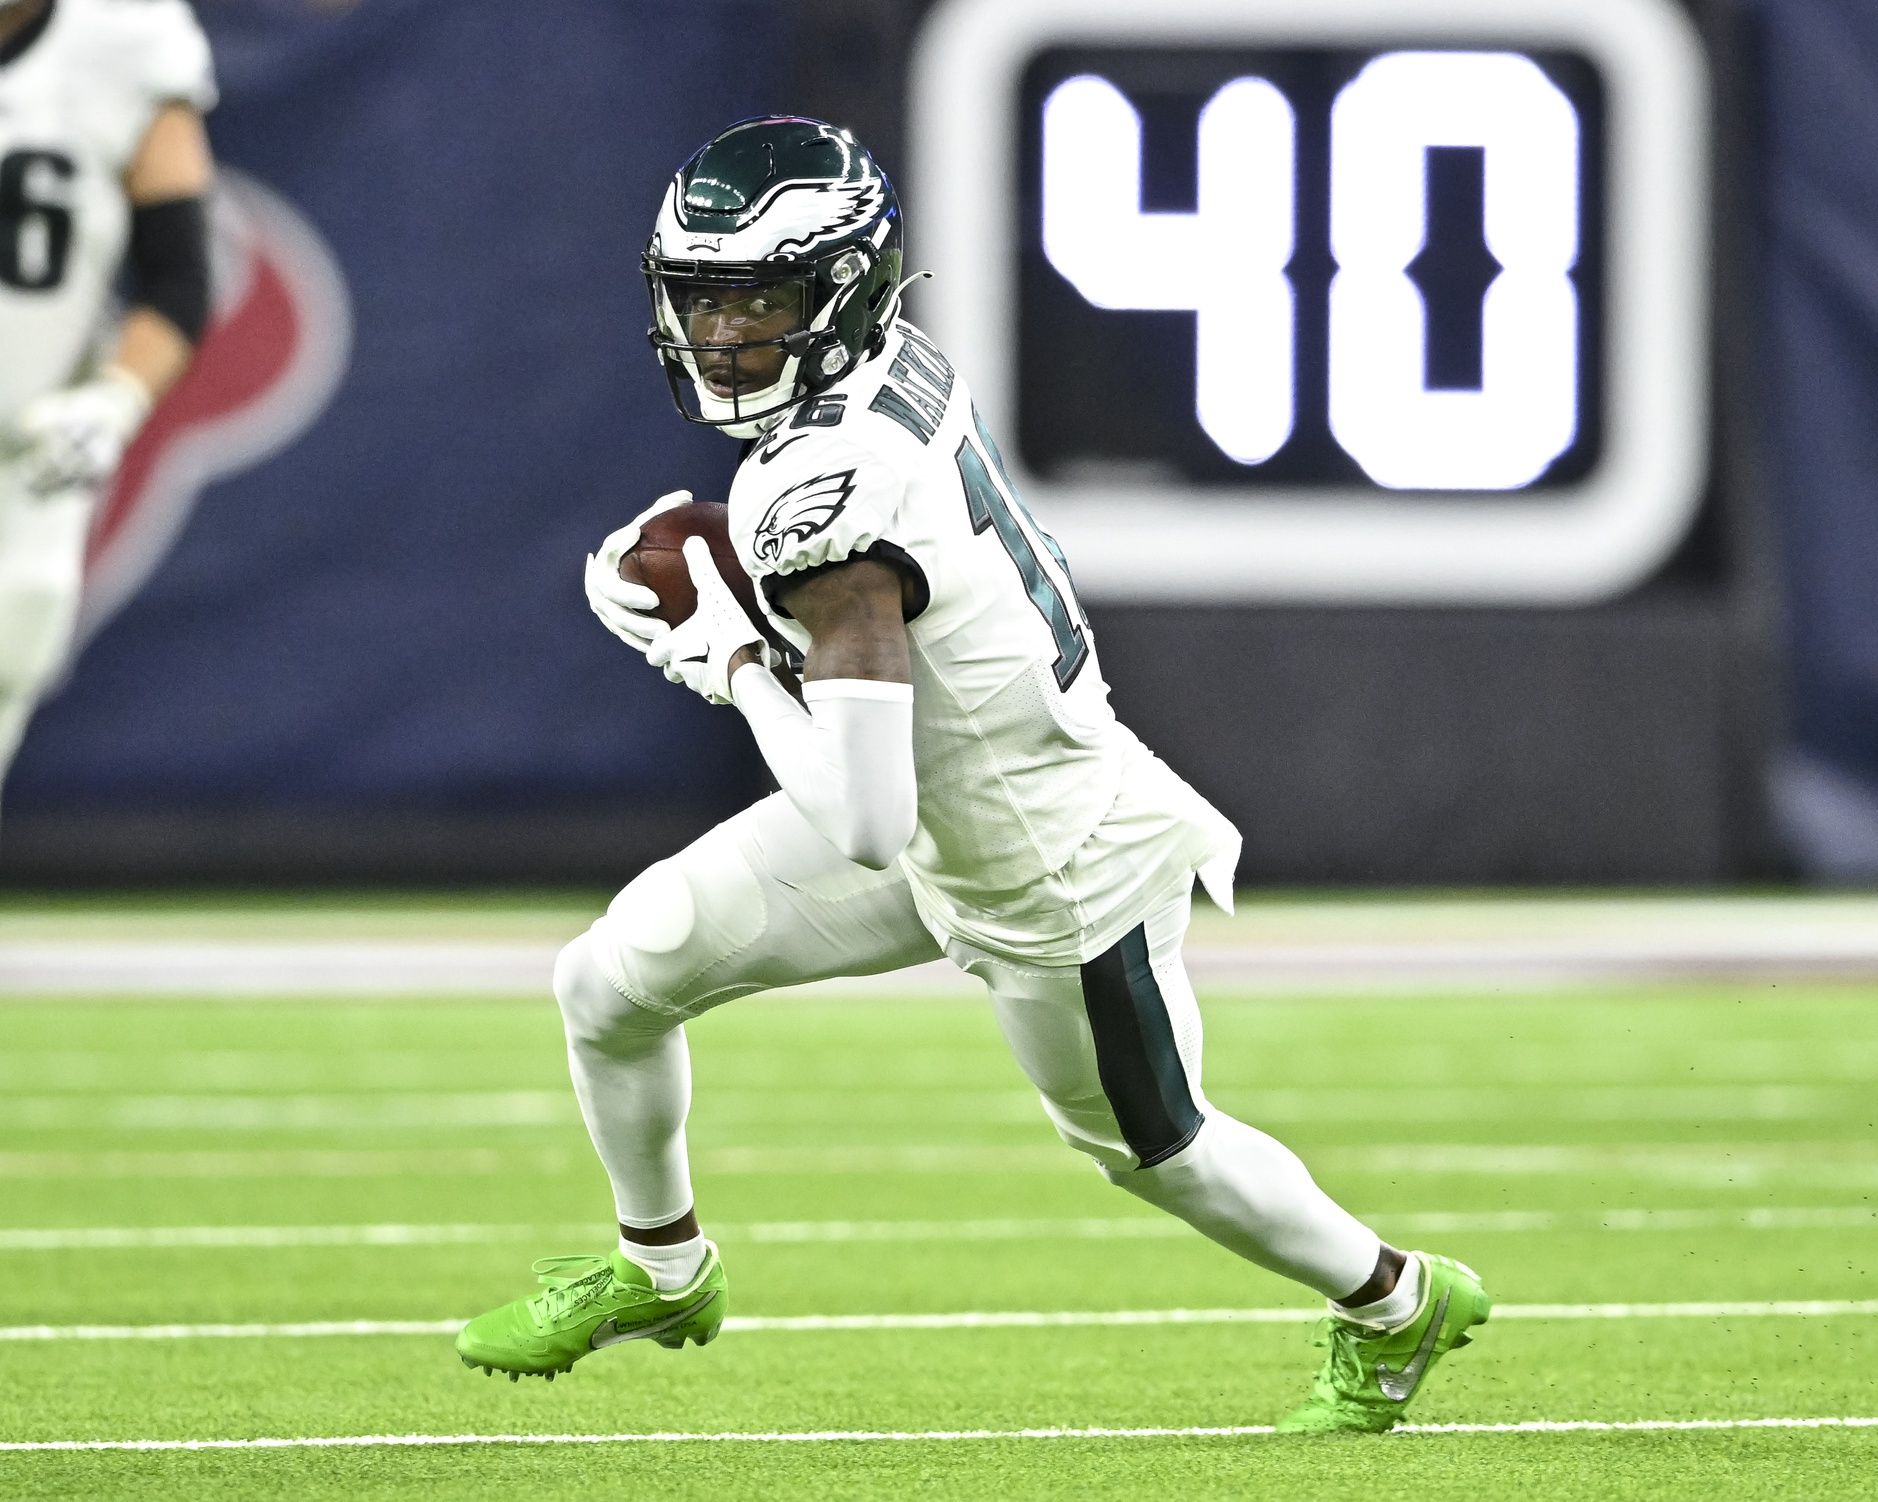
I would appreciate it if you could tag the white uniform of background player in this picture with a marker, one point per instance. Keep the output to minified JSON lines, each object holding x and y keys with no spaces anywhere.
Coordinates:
{"x":1029,"y":837}
{"x":83,"y":87}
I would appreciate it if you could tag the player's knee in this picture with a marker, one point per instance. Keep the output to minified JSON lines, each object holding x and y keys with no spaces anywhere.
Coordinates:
{"x":594,"y":1011}
{"x":670,"y":940}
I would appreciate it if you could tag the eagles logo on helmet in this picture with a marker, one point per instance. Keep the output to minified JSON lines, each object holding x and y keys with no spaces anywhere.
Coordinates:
{"x":784,"y":230}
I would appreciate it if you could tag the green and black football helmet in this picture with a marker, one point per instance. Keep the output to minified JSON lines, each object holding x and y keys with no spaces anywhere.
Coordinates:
{"x":784,"y":231}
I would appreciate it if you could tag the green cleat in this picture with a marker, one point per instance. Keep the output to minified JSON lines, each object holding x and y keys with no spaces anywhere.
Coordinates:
{"x":1370,"y":1375}
{"x":586,"y":1304}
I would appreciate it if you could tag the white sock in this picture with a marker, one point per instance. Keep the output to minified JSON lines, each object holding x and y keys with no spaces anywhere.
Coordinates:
{"x":1395,"y":1308}
{"x":669,"y":1267}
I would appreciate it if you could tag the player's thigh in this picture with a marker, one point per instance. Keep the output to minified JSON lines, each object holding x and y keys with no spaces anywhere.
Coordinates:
{"x":1113,"y":1046}
{"x":42,"y":562}
{"x":760,"y":901}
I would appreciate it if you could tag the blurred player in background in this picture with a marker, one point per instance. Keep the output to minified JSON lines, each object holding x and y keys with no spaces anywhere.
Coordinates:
{"x":953,"y":782}
{"x":103,"y":168}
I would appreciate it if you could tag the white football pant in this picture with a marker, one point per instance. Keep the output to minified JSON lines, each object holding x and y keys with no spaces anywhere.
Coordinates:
{"x":1112,"y":1046}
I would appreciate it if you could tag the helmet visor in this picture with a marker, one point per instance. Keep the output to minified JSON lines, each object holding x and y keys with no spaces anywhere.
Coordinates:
{"x":712,"y":313}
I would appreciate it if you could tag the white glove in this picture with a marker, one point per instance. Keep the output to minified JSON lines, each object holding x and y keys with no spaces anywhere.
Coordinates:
{"x":74,"y":439}
{"x":697,"y":652}
{"x":626,"y":609}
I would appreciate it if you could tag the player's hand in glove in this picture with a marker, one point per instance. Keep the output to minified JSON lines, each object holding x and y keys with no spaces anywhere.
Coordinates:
{"x":698,"y":652}
{"x":74,"y":439}
{"x":627,"y":609}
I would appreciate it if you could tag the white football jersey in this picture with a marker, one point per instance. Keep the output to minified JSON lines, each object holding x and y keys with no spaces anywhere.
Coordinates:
{"x":1045,"y":829}
{"x":74,"y":107}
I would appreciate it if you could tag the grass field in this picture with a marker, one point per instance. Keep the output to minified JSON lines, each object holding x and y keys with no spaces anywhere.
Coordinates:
{"x":1672,"y":1189}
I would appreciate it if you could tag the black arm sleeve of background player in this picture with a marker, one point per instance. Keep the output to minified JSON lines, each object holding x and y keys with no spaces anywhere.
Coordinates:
{"x":169,"y":262}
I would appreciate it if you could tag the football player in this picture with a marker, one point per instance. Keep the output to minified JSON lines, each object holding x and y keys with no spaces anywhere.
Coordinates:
{"x":103,"y":165}
{"x":953,"y":782}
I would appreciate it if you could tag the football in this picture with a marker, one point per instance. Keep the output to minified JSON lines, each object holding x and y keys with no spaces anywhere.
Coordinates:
{"x":658,"y":561}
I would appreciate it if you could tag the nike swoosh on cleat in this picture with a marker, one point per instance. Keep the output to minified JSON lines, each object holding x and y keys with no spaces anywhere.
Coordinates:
{"x":1398,"y":1385}
{"x":608,"y":1332}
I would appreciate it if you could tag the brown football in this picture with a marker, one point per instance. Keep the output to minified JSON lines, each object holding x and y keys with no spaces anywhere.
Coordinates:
{"x":658,"y":561}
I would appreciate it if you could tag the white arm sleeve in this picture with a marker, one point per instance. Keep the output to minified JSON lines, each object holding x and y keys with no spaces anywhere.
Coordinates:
{"x":846,"y":761}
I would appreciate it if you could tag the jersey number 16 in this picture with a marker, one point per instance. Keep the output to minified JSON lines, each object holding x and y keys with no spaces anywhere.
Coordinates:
{"x":996,"y":507}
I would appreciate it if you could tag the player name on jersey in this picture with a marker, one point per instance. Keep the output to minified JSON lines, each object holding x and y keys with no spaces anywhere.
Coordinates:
{"x":918,"y":385}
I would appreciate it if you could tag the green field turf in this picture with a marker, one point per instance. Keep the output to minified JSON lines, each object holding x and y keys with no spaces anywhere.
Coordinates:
{"x":881,"y":1157}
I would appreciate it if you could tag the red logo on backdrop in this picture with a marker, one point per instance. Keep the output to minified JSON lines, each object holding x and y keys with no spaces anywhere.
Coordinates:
{"x":274,"y":352}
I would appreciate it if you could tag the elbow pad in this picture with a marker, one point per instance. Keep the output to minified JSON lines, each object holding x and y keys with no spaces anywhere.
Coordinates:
{"x":169,"y":262}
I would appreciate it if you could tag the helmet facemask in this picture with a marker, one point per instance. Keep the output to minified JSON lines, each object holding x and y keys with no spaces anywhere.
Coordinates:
{"x":743,"y":342}
{"x":731,"y":343}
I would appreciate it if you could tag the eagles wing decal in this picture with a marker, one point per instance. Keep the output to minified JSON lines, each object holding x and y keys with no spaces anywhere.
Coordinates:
{"x":856,"y":203}
{"x":800,"y":512}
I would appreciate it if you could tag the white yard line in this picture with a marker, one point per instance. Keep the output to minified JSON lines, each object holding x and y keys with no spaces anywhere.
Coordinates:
{"x":1084,"y":1228}
{"x":996,"y":1319}
{"x":1409,"y":947}
{"x":296,"y":1330}
{"x":915,"y":1436}
{"x":1843,"y":1163}
{"x":469,"y":1109}
{"x":343,"y":969}
{"x":1414,"y":1222}
{"x":127,"y":1068}
{"x":269,"y":1163}
{"x":482,"y":1110}
{"x":148,"y":1238}
{"x":1764,"y":1076}
{"x":1003,"y":1319}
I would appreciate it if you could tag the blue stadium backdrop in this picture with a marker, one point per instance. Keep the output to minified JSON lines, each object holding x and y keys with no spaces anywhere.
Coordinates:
{"x":428,"y":393}
{"x":334,"y":623}
{"x":1820,"y":208}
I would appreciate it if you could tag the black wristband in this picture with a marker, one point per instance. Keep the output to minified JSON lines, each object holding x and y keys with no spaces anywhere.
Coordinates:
{"x":169,"y":262}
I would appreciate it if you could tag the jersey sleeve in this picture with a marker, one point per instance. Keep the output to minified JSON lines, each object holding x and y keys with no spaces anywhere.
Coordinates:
{"x":164,"y":56}
{"x":843,"y":503}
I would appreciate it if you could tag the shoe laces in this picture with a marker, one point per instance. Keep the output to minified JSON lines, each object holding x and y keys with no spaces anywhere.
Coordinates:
{"x":1346,"y":1365}
{"x":568,"y":1281}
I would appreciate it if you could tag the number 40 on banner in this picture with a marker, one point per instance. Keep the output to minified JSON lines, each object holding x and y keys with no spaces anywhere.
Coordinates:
{"x":1226,"y":261}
